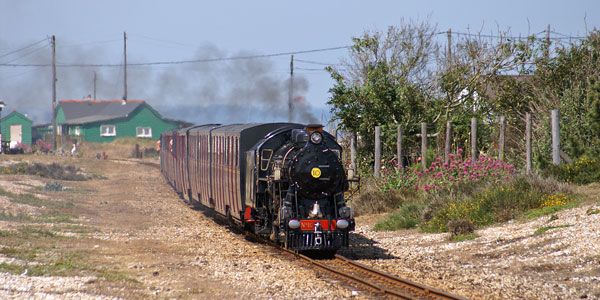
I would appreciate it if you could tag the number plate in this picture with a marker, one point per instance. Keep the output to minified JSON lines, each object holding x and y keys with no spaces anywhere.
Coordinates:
{"x":310,"y":224}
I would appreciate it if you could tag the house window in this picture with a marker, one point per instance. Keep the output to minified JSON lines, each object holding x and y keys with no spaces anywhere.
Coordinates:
{"x":108,"y":130}
{"x":77,"y":130}
{"x":144,"y":132}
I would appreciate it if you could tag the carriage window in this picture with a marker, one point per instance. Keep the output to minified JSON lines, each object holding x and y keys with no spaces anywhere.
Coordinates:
{"x":265,"y":158}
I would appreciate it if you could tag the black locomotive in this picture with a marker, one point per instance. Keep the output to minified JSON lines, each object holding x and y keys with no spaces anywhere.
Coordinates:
{"x":283,"y":181}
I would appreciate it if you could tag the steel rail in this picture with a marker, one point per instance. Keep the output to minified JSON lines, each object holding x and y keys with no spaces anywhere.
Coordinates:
{"x":417,"y":291}
{"x":428,"y":291}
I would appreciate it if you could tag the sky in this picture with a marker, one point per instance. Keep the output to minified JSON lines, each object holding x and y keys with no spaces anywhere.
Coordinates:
{"x":168,"y":43}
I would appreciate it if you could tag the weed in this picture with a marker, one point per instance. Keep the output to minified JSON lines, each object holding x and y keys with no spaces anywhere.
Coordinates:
{"x":56,"y":217}
{"x":464,"y":237}
{"x":12,"y":268}
{"x":52,"y":170}
{"x":461,"y":227}
{"x":115,"y":275}
{"x":28,"y":199}
{"x":30,"y":231}
{"x":20,"y":217}
{"x":546,"y":228}
{"x":592,"y":211}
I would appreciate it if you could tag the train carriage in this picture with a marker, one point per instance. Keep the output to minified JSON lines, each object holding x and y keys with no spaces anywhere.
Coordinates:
{"x":199,"y":156}
{"x":228,"y":169}
{"x":167,"y":156}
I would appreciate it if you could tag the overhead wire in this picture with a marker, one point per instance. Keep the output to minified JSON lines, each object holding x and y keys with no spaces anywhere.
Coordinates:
{"x":231,"y":58}
{"x":181,"y":61}
{"x":24,"y":48}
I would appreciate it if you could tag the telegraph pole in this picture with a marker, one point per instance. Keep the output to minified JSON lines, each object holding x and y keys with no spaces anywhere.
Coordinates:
{"x":548,"y":41}
{"x":449,"y":45}
{"x":291,"y":92}
{"x":125,"y":65}
{"x":53,"y":93}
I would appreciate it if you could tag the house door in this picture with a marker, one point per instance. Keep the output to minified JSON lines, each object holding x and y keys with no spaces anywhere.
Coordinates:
{"x":16,"y":133}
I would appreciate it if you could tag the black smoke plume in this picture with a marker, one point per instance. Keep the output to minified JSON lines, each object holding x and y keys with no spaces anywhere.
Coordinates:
{"x":220,"y":91}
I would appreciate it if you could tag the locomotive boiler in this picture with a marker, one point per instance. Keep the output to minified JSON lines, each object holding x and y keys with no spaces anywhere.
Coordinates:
{"x":283,"y":181}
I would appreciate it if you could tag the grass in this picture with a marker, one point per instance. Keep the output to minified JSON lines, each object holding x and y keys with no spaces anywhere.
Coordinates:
{"x":20,"y":217}
{"x":35,"y":201}
{"x":119,"y":148}
{"x":53,"y":170}
{"x":56,"y":217}
{"x":464,"y":237}
{"x":546,"y":228}
{"x":42,"y":253}
{"x":75,"y":229}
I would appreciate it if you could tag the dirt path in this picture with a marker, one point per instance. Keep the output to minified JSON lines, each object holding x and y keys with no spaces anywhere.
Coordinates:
{"x":134,"y":238}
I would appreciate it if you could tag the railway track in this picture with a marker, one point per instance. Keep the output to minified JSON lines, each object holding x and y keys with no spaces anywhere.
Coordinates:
{"x":388,"y":285}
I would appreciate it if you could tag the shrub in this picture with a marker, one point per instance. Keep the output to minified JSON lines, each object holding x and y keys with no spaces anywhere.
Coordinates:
{"x":377,"y":201}
{"x":43,"y":146}
{"x":583,"y":171}
{"x":406,"y":217}
{"x":498,"y":203}
{"x":443,"y":175}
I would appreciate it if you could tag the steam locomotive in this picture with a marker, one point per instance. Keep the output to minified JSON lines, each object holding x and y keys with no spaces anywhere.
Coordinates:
{"x":282,"y":181}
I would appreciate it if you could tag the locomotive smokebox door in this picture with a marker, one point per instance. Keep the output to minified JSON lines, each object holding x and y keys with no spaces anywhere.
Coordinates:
{"x":316,"y":170}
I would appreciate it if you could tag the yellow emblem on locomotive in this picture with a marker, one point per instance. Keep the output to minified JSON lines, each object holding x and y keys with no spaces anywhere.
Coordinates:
{"x":315,"y":172}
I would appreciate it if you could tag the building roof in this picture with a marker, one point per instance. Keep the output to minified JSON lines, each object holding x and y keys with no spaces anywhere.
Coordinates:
{"x":18,"y":114}
{"x":88,"y":111}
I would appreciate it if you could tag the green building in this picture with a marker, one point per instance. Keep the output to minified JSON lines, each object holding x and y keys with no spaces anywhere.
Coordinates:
{"x":106,"y":120}
{"x":16,"y":127}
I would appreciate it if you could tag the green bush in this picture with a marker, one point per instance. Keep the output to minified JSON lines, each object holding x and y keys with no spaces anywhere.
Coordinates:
{"x":583,"y":171}
{"x":406,"y":217}
{"x":498,"y":203}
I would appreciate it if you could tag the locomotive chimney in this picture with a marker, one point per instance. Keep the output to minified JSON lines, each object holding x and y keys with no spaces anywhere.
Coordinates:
{"x":310,"y":128}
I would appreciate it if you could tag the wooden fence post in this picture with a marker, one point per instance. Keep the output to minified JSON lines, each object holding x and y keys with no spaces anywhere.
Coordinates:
{"x":474,"y":155}
{"x":555,"y":137}
{"x":399,"y":148}
{"x":423,"y":144}
{"x":528,"y":143}
{"x":501,"y":138}
{"x":448,"y":141}
{"x":377,"y":164}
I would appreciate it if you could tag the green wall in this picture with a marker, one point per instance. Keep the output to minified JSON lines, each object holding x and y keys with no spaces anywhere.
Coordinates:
{"x":15,"y":118}
{"x":143,"y":116}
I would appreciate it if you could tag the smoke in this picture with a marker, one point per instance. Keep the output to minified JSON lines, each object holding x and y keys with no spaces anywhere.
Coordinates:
{"x":222,"y":91}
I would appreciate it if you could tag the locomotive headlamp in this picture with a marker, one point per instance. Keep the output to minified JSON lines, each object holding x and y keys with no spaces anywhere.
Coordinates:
{"x":341,"y":224}
{"x":345,"y":212}
{"x":294,"y":224}
{"x":316,"y":137}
